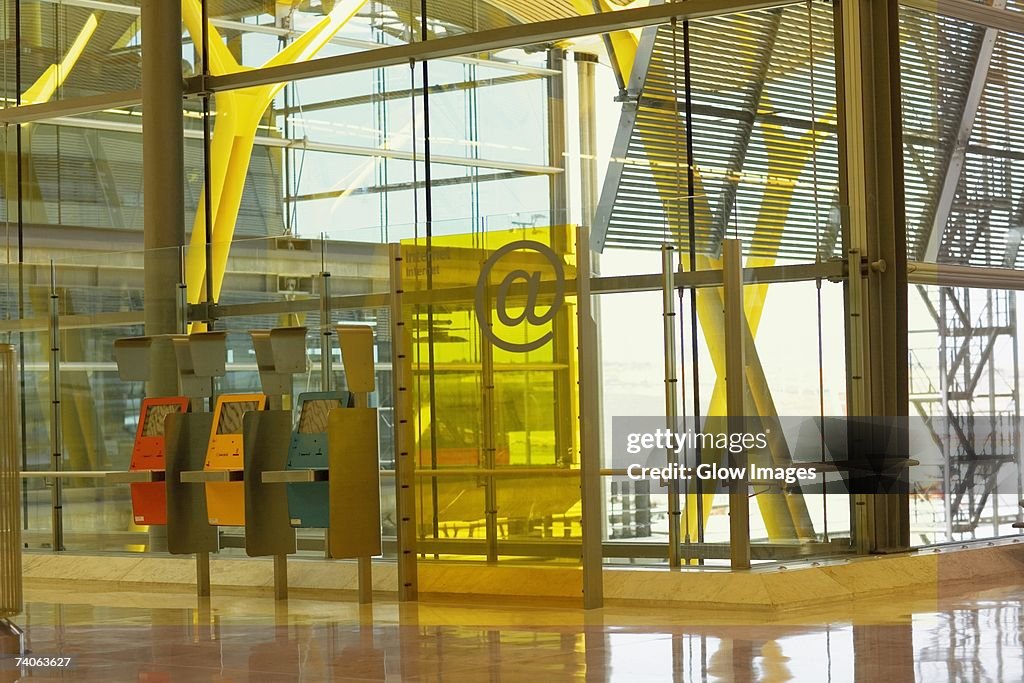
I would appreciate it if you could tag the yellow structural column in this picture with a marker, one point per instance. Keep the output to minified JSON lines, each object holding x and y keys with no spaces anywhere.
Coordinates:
{"x":783,"y":171}
{"x":238,"y":116}
{"x":39,"y":92}
{"x":54,"y":76}
{"x":783,"y":165}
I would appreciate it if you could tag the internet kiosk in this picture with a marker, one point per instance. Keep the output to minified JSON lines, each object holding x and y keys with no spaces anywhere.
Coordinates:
{"x":280,"y":353}
{"x":308,"y":503}
{"x":352,"y":474}
{"x":170,"y":440}
{"x":149,"y":498}
{"x":147,"y":470}
{"x":225,"y":492}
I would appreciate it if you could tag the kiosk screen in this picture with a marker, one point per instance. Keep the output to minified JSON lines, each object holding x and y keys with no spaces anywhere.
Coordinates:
{"x":313,"y":419}
{"x":153,"y":422}
{"x":231,"y":413}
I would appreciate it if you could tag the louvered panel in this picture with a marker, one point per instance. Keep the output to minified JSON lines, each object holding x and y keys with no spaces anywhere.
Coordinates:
{"x":528,"y":11}
{"x":261,"y":212}
{"x":752,"y":114}
{"x":459,"y":15}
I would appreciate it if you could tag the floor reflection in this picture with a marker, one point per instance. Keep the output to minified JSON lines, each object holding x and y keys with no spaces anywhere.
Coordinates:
{"x":166,"y":637}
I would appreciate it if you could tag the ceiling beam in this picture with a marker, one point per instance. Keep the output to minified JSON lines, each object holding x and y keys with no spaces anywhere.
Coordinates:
{"x":332,"y":148}
{"x":482,"y":42}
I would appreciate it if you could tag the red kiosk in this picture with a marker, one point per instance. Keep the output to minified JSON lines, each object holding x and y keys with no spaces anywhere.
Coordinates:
{"x":149,"y":498}
{"x":147,"y":471}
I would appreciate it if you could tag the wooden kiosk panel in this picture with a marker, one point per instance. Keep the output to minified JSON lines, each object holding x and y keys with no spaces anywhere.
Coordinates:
{"x":187,"y":528}
{"x":267,"y":528}
{"x":354,"y":483}
{"x":149,"y":499}
{"x":225,"y":501}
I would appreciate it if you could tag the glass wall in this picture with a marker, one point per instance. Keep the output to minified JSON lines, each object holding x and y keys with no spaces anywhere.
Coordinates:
{"x":963,"y":143}
{"x":646,"y":138}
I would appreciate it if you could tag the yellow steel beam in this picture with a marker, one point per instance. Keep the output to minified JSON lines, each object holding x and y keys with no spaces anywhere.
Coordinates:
{"x":784,"y":167}
{"x":41,"y":91}
{"x":55,"y":74}
{"x":239,"y":113}
{"x":624,"y":43}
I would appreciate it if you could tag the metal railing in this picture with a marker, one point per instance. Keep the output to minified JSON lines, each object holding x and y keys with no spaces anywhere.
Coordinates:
{"x":10,"y":487}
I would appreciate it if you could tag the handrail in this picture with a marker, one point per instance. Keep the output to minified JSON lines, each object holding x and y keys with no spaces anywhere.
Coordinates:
{"x":511,"y":471}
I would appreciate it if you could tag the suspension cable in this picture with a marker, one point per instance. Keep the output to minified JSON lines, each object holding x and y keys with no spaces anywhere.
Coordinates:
{"x":817,"y":251}
{"x":692,"y":224}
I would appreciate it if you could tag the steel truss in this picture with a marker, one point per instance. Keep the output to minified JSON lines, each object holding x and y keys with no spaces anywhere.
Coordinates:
{"x":974,"y":412}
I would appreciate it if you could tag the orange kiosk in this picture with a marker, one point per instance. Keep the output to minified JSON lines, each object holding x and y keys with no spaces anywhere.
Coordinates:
{"x":225,"y":499}
{"x":149,"y":498}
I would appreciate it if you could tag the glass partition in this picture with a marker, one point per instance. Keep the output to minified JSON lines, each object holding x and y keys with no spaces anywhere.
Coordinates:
{"x":315,"y":180}
{"x":495,"y":401}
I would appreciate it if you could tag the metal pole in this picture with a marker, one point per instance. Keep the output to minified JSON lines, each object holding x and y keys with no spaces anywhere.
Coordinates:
{"x":558,"y":200}
{"x":490,"y":446}
{"x":163,"y":159}
{"x":11,"y":597}
{"x":203,"y":575}
{"x":428,"y":214}
{"x":280,"y":577}
{"x":586,"y":68}
{"x":591,"y":487}
{"x":364,"y":565}
{"x":182,"y":295}
{"x":1016,"y":402}
{"x":208,"y":220}
{"x":691,"y":223}
{"x":994,"y":496}
{"x":404,"y":443}
{"x":326,"y":352}
{"x":56,"y":432}
{"x":326,"y":357}
{"x":588,"y":312}
{"x":735,"y":378}
{"x":163,"y":163}
{"x":668,"y":269}
{"x":872,"y":190}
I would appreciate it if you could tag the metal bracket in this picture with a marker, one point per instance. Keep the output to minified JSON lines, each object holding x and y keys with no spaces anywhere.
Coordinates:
{"x":295,"y":476}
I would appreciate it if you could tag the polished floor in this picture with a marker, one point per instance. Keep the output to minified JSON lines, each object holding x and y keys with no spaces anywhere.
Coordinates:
{"x":167,"y":637}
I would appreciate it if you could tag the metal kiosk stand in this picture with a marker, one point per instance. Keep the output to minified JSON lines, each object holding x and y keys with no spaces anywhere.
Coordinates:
{"x":307,"y":466}
{"x":167,"y":442}
{"x":240,"y":440}
{"x":201,"y":358}
{"x":352,"y":473}
{"x":280,"y":353}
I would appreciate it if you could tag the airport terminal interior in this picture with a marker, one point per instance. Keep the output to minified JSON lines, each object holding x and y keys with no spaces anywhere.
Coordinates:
{"x":507,"y":340}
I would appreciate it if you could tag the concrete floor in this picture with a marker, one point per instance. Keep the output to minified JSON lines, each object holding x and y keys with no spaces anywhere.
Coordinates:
{"x":129,"y":635}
